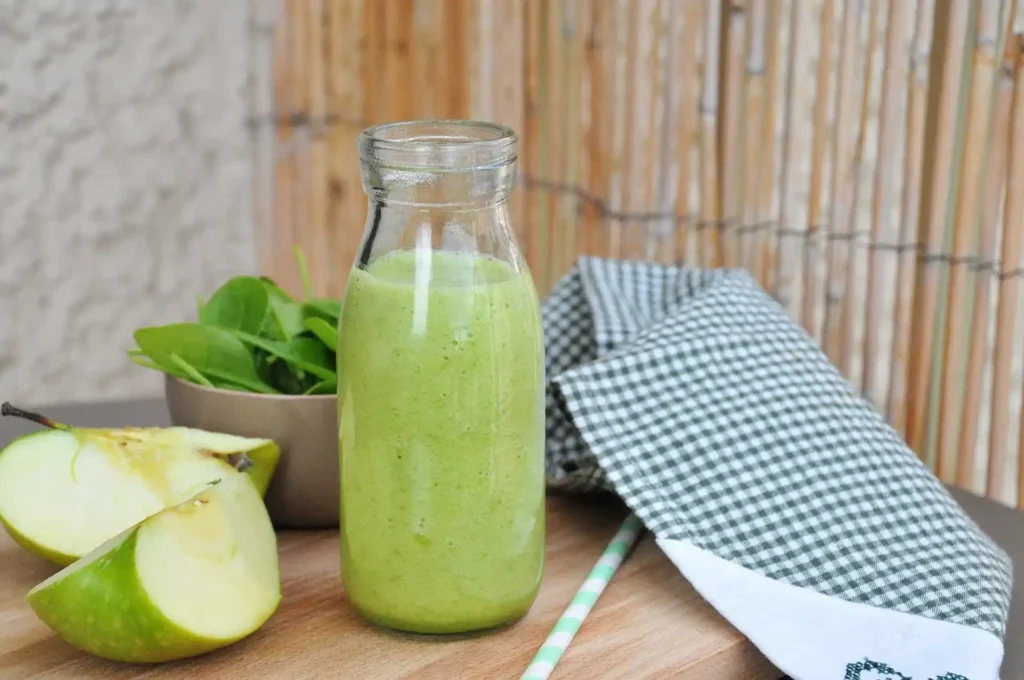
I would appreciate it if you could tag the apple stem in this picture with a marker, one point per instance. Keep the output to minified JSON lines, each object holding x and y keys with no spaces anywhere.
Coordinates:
{"x":8,"y":410}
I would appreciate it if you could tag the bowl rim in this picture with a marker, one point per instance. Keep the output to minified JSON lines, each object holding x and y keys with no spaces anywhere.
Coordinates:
{"x":187,"y":384}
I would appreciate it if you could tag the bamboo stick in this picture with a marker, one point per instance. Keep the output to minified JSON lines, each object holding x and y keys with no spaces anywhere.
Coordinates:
{"x":653,"y":232}
{"x":809,"y":318}
{"x":284,"y":155}
{"x":882,"y":265}
{"x":994,"y":187}
{"x":398,"y":64}
{"x":1010,"y":260}
{"x":301,"y":77}
{"x":347,"y":50}
{"x":598,"y":134}
{"x":589,"y":73}
{"x":555,"y":130}
{"x":532,"y":163}
{"x":617,"y":26}
{"x":710,"y":212}
{"x":843,"y":154}
{"x":621,"y":106}
{"x":430,"y":64}
{"x":455,"y":39}
{"x":976,"y":129}
{"x":851,"y":302}
{"x":754,"y":88}
{"x":507,"y":87}
{"x":910,"y":201}
{"x":424,"y":44}
{"x":766,"y":243}
{"x":661,"y":233}
{"x":371,"y":35}
{"x":478,"y":60}
{"x":789,"y":270}
{"x":316,"y":223}
{"x":731,"y":132}
{"x":946,"y":78}
{"x":687,"y":53}
{"x":375,"y":97}
{"x":632,"y":241}
{"x":1014,"y":215}
{"x":579,"y":28}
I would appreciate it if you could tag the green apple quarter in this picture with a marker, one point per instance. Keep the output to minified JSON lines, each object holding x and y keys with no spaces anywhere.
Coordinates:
{"x":185,"y":581}
{"x":65,"y":490}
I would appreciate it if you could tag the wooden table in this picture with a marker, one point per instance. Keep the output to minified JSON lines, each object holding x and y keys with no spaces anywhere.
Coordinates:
{"x":649,"y":623}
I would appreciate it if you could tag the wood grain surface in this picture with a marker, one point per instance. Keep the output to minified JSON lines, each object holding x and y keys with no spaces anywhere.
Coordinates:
{"x":649,"y":623}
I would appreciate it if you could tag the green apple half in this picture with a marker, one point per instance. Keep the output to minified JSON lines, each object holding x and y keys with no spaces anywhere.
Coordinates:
{"x":65,"y":490}
{"x":187,"y":580}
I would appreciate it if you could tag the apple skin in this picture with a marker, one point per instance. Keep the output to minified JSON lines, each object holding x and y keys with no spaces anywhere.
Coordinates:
{"x":54,"y":556}
{"x":101,"y":604}
{"x":103,"y":609}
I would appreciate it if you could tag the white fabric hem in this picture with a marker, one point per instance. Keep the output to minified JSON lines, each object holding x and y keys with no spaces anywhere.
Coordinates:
{"x":811,"y":636}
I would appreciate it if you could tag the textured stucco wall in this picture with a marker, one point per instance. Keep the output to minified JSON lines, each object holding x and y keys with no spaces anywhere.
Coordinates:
{"x":125,"y":183}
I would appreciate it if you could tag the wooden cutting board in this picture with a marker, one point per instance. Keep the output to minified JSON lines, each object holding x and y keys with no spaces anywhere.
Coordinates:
{"x":649,"y":623}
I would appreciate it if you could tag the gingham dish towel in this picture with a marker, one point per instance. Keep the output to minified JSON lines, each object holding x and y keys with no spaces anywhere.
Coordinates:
{"x":782,"y":496}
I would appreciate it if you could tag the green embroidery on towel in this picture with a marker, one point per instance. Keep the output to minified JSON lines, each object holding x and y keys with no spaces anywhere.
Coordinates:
{"x":886,"y":672}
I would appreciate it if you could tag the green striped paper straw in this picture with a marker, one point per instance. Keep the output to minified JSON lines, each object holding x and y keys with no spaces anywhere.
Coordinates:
{"x":567,"y":626}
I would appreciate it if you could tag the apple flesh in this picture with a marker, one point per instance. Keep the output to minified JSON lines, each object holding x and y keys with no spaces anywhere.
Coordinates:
{"x":63,"y":491}
{"x":189,"y":579}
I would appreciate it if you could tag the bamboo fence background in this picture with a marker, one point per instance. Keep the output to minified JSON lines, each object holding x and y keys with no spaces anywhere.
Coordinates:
{"x":864,"y":159}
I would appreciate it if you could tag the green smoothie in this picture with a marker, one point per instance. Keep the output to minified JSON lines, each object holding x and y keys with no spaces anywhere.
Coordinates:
{"x":441,"y":392}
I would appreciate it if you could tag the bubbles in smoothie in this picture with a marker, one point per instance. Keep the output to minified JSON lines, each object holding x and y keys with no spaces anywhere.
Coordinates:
{"x":420,"y":532}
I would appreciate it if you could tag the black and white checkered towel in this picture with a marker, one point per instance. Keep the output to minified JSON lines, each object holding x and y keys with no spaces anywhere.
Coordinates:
{"x":782,"y":495}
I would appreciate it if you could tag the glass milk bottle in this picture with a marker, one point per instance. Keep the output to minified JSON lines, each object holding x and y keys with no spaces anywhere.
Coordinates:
{"x":441,"y":388}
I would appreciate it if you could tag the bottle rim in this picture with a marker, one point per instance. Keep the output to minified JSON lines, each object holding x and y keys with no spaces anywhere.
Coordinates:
{"x":438,"y":145}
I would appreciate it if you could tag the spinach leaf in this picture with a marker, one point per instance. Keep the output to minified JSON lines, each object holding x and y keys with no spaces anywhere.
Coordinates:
{"x":252,"y":336}
{"x":264,"y":363}
{"x":146,"y":362}
{"x":286,"y":379}
{"x":307,"y":283}
{"x":308,"y":354}
{"x":210,"y":350}
{"x":321,"y":308}
{"x":328,"y":386}
{"x":240,"y":303}
{"x":327,"y":333}
{"x":284,"y":320}
{"x":190,"y":370}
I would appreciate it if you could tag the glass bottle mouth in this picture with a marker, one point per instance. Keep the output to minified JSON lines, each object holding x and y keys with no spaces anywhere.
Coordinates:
{"x":438,"y":145}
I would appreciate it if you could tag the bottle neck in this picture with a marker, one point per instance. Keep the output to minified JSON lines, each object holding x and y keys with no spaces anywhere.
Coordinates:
{"x":475,"y":189}
{"x":484,"y":229}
